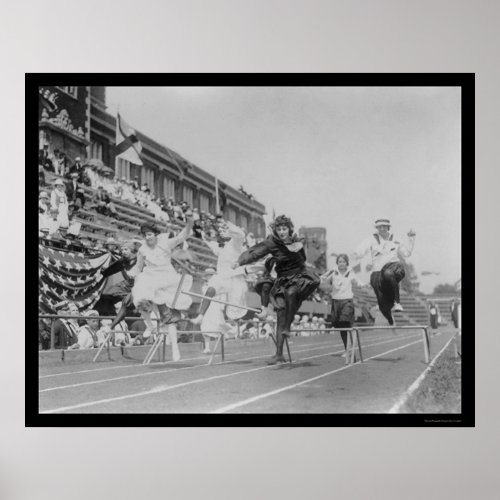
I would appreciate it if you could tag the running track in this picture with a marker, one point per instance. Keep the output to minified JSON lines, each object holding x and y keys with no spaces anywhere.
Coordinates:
{"x":316,"y":382}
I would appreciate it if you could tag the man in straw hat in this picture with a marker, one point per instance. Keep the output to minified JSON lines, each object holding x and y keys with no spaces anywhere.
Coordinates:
{"x":387,"y":270}
{"x":87,"y":334}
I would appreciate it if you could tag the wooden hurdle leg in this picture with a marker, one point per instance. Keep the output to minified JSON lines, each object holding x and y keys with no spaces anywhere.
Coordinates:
{"x":348,"y":355}
{"x":427,"y":347}
{"x":215,"y":349}
{"x":288,"y":348}
{"x":106,"y":340}
{"x":222,"y":346}
{"x":358,"y":345}
{"x":153,"y":349}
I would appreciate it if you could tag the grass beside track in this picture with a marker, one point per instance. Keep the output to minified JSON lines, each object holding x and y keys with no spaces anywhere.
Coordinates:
{"x":440,"y":392}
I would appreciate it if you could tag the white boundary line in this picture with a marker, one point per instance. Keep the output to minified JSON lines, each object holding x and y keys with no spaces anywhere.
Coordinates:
{"x":233,"y":406}
{"x":157,"y":363}
{"x":413,"y":387}
{"x":201,"y":380}
{"x":148,"y":373}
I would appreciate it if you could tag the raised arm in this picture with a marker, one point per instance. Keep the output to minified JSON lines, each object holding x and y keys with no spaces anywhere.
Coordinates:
{"x":255,"y":253}
{"x":406,"y":248}
{"x":361,"y":250}
{"x":183,"y":235}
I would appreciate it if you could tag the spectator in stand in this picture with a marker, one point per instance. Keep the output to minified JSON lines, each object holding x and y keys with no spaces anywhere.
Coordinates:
{"x":41,"y":176}
{"x":433,"y":313}
{"x":43,"y":203}
{"x":77,"y":168}
{"x":102,"y":202}
{"x":321,"y":324}
{"x":59,"y":201}
{"x":87,"y":334}
{"x":44,"y":334}
{"x":65,"y":331}
{"x":304,"y":326}
{"x":44,"y":159}
{"x":54,"y":158}
{"x":314,"y":325}
{"x":135,"y":183}
{"x":295,"y":324}
{"x":91,"y":174}
{"x":74,"y":192}
{"x":63,"y":163}
{"x":196,"y":215}
{"x":454,"y":312}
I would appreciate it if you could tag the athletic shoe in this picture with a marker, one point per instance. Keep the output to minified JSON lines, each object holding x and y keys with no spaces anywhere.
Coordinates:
{"x":263,"y":313}
{"x":276,"y":359}
{"x":206,"y":351}
{"x":397,"y":307}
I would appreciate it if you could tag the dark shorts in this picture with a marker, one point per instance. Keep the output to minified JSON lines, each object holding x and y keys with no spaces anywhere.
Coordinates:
{"x":342,"y":312}
{"x":305,"y":281}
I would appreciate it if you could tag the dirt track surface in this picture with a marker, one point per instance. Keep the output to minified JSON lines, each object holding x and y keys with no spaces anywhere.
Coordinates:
{"x":318,"y":381}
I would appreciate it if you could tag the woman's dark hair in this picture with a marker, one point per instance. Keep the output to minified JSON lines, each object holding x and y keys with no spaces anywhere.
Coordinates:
{"x":149,"y":228}
{"x":282,"y":220}
{"x":343,"y":256}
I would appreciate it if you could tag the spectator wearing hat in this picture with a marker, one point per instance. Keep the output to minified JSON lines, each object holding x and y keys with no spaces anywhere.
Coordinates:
{"x":87,"y":334}
{"x":387,"y":271}
{"x":74,"y":192}
{"x":77,"y":168}
{"x":102,"y":202}
{"x":44,"y":159}
{"x":64,"y":331}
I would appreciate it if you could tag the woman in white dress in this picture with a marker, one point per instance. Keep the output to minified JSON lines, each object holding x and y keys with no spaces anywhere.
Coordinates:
{"x":226,"y":284}
{"x":156,"y":279}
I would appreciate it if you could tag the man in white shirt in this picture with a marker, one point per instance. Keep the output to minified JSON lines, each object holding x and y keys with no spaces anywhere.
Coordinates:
{"x":387,"y":270}
{"x":87,"y":334}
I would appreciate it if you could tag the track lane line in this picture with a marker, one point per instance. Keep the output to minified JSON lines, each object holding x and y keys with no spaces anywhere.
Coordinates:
{"x":157,"y":363}
{"x":201,"y":380}
{"x":253,"y":399}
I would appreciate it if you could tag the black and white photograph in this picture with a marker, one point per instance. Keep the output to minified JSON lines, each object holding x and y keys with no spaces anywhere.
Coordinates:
{"x":290,"y":248}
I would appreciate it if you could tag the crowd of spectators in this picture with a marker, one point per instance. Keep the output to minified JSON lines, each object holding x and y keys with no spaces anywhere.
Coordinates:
{"x":60,"y":200}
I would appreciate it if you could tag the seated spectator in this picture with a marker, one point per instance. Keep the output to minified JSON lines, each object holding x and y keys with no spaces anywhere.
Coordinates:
{"x":43,"y":203}
{"x":91,"y":175}
{"x":87,"y":334}
{"x":266,"y":328}
{"x":74,"y":192}
{"x":295,"y":323}
{"x":305,"y":326}
{"x":44,"y":334}
{"x":77,"y":168}
{"x":65,"y":331}
{"x":41,"y":176}
{"x":102,"y":202}
{"x":44,"y":159}
{"x":321,"y":324}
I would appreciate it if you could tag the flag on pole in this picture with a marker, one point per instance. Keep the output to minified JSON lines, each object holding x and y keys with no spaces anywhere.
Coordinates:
{"x":220,"y":195}
{"x":127,"y":146}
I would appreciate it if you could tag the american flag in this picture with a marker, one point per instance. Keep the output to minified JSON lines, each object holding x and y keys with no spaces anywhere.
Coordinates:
{"x":69,"y":275}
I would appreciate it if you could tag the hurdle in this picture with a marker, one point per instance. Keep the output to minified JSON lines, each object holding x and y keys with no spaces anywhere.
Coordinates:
{"x":425,"y":336}
{"x":353,"y":342}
